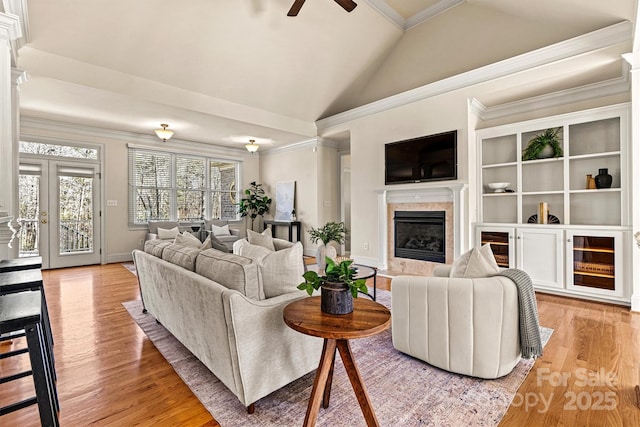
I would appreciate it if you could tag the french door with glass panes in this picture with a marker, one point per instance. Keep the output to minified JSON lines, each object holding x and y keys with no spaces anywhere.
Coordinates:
{"x":59,"y":212}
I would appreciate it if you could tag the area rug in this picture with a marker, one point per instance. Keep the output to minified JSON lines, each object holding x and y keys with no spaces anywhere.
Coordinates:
{"x":403,"y":390}
{"x":130,"y":266}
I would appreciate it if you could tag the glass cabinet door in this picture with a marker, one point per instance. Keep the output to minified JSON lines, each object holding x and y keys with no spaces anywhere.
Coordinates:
{"x":500,"y":242}
{"x":595,"y":264}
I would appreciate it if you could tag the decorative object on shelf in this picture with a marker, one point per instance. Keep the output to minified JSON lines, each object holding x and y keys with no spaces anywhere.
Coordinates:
{"x":498,"y":187}
{"x":543,"y":213}
{"x":591,"y":182}
{"x":544,"y":146}
{"x":164,"y":134}
{"x":603,"y":179}
{"x":551,"y":219}
{"x":293,"y":215}
{"x":252,"y":147}
{"x":338,"y":286}
{"x":330,"y":232}
{"x":255,"y":203}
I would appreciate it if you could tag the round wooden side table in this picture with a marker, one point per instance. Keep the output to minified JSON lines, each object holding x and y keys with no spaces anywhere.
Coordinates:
{"x":368,"y":318}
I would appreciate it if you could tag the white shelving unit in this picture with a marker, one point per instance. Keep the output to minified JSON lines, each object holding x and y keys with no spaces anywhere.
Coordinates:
{"x":591,"y":140}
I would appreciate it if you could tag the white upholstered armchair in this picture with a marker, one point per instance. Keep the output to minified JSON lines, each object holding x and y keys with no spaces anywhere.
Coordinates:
{"x":467,"y":326}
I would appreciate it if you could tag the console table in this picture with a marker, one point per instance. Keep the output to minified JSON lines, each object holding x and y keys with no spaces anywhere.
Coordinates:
{"x":368,"y":318}
{"x":288,"y":224}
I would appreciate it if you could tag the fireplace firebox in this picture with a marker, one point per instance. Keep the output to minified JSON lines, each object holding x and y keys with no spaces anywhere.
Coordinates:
{"x":419,"y":235}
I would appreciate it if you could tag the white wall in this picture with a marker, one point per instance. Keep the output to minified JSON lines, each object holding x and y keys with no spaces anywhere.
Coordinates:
{"x":297,"y":164}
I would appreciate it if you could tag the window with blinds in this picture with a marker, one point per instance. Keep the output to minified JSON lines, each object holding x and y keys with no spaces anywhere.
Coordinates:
{"x":172,"y":186}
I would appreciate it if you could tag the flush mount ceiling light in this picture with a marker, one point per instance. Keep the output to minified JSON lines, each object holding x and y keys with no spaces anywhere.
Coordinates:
{"x":252,"y":147}
{"x":164,"y":134}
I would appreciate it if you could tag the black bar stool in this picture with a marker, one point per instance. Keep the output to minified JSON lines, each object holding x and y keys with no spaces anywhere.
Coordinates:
{"x":18,"y":264}
{"x":28,"y":280}
{"x":21,"y":313}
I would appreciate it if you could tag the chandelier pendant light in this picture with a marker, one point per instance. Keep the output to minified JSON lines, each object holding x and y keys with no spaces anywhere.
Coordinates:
{"x":164,"y":134}
{"x":252,"y":147}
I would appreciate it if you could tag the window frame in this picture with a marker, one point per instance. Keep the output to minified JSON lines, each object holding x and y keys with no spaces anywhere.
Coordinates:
{"x":173,"y":189}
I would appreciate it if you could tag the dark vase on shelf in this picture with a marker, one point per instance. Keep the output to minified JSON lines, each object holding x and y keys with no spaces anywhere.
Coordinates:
{"x":603,"y":179}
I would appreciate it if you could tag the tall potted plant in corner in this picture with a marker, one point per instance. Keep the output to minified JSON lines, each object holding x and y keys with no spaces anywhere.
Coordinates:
{"x":255,"y":202}
{"x":338,"y":286}
{"x":330,"y":232}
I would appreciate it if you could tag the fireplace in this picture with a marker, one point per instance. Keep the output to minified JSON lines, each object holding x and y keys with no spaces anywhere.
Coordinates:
{"x":419,"y":235}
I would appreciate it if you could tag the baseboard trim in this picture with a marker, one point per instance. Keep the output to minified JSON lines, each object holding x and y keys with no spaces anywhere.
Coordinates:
{"x":122,"y":257}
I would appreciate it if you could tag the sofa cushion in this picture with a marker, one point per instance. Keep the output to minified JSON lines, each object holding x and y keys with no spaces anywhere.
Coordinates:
{"x":478,"y":262}
{"x":167,"y":225}
{"x":188,"y":239}
{"x":281,"y":271}
{"x":171,"y":233}
{"x":261,"y":239}
{"x":156,"y":246}
{"x":231,"y":271}
{"x":220,"y":231}
{"x":184,"y":256}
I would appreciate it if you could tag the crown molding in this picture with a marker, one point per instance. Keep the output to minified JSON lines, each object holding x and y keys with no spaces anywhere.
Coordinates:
{"x":555,"y":99}
{"x":308,"y":143}
{"x":27,"y":124}
{"x":9,"y":27}
{"x":383,"y":8}
{"x":589,"y":42}
{"x":19,"y":8}
{"x":387,"y":11}
{"x":18,"y":76}
{"x":430,"y":12}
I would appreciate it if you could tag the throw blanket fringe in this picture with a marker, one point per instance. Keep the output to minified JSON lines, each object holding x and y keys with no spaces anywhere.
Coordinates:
{"x":530,"y":342}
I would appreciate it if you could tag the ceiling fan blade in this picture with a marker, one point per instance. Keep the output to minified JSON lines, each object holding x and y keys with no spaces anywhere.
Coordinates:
{"x":295,"y":8}
{"x":347,"y":5}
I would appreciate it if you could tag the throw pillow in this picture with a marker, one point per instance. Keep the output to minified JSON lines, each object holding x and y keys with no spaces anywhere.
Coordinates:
{"x":164,"y":234}
{"x":261,"y":239}
{"x":212,"y":242}
{"x":220,"y":231}
{"x":188,"y":239}
{"x":281,"y":271}
{"x":478,"y":262}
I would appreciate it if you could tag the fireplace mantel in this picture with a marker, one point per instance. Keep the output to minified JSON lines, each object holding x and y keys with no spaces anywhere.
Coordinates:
{"x":421,"y":193}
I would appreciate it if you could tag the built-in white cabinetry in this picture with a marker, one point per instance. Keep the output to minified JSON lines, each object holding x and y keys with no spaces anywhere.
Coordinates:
{"x":536,"y":250}
{"x":580,"y":250}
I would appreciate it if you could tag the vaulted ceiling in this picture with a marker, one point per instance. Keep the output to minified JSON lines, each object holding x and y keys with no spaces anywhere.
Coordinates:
{"x":222,"y":71}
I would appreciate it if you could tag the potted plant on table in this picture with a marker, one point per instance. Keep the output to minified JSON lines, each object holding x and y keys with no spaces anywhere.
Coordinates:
{"x":255,"y":202}
{"x":330,"y":232}
{"x":338,"y":286}
{"x":544,"y":146}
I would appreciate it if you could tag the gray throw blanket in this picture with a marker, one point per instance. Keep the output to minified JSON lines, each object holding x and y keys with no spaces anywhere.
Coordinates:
{"x":530,"y":342}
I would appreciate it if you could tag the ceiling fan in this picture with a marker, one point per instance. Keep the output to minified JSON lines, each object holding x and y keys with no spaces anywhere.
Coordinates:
{"x":347,"y":5}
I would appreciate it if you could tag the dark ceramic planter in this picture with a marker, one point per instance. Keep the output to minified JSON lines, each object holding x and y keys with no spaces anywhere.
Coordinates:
{"x":336,"y":298}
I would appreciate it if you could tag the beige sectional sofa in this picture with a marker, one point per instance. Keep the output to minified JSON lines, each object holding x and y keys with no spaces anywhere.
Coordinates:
{"x":215,"y":304}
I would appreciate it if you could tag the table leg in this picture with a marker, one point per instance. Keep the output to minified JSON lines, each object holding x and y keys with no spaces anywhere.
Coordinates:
{"x":357,"y":384}
{"x":327,"y":387}
{"x":319,"y":382}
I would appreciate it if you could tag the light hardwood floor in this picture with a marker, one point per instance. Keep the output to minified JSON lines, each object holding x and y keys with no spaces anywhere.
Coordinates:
{"x":109,"y":373}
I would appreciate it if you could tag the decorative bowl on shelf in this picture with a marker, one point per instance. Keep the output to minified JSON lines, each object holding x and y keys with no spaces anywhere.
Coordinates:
{"x":498,"y":187}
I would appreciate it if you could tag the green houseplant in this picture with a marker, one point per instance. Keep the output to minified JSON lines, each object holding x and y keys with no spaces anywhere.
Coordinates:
{"x":338,"y":286}
{"x":544,"y":145}
{"x":255,"y":202}
{"x":330,"y":232}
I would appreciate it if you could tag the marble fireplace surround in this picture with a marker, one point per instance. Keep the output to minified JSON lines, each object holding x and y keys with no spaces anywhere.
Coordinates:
{"x":447,"y":198}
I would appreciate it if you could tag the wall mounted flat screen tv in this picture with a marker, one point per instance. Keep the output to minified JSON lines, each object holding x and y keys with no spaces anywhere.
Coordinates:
{"x":423,"y":159}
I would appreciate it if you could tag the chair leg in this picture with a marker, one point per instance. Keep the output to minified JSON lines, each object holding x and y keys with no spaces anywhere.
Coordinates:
{"x":42,"y":379}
